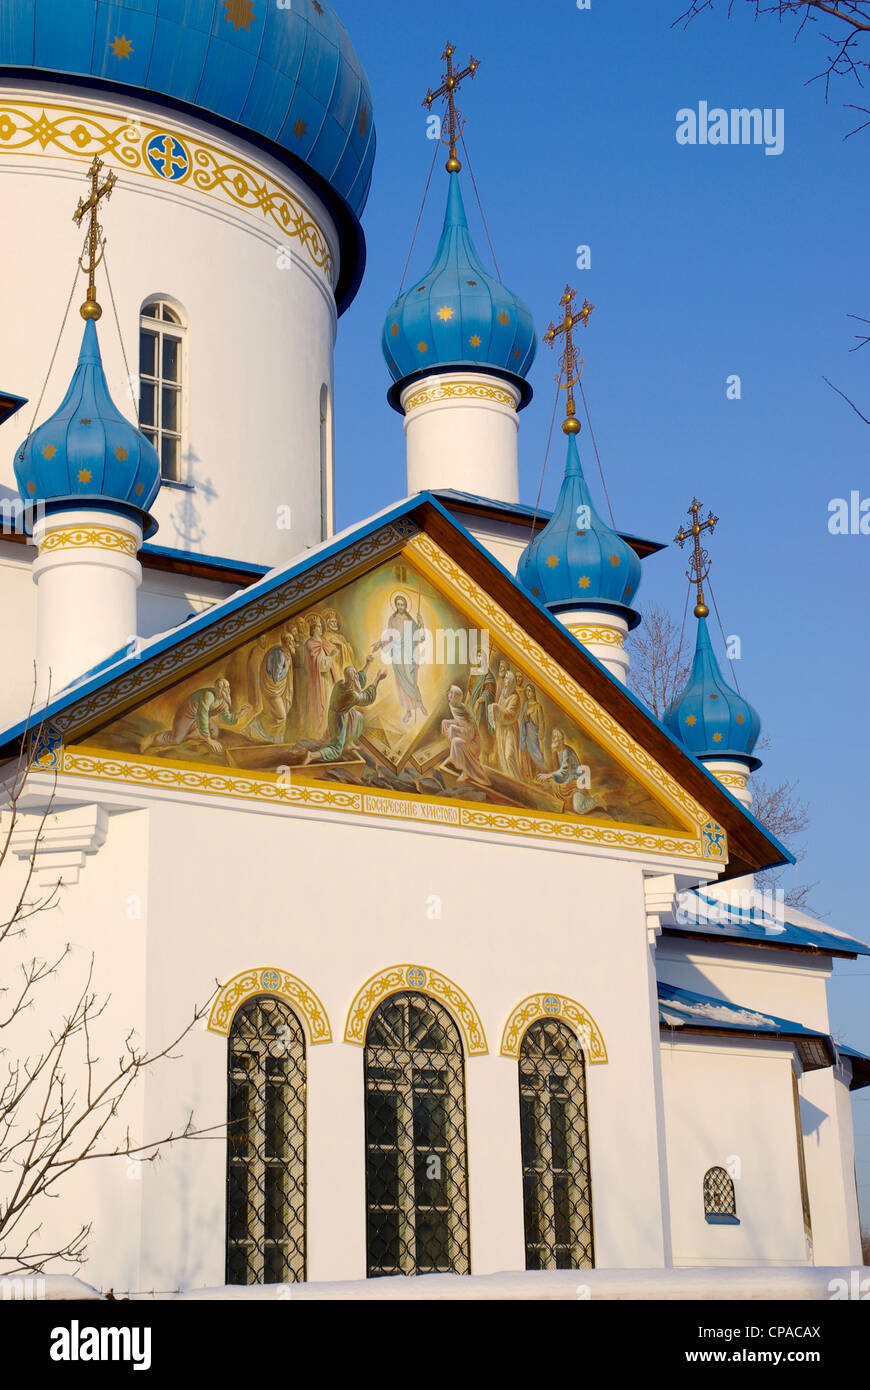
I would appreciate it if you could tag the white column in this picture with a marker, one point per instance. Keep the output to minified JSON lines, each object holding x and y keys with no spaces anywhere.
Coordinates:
{"x":86,"y":575}
{"x":603,"y":634}
{"x":733,"y":775}
{"x":461,"y":432}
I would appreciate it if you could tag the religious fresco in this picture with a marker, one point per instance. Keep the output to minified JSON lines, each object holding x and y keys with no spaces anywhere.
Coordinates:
{"x":383,"y":685}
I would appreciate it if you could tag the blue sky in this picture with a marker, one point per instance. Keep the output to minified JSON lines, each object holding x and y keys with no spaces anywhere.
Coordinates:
{"x":705,"y":261}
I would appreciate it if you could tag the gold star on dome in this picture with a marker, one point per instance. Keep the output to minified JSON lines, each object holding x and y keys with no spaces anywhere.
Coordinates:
{"x":140,"y":488}
{"x":690,"y":719}
{"x":516,"y":353}
{"x":535,"y":592}
{"x":121,"y":46}
{"x":614,"y":560}
{"x":471,"y":282}
{"x":445,"y":313}
{"x":299,"y":129}
{"x":239,"y":13}
{"x":31,"y":488}
{"x":717,"y":738}
{"x":740,"y":719}
{"x":84,"y":476}
{"x":422,"y":347}
{"x":49,"y":451}
{"x":120,"y":453}
{"x":475,"y":341}
{"x":394,"y":330}
{"x":552,"y":561}
{"x":504,"y":319}
{"x":585,"y":582}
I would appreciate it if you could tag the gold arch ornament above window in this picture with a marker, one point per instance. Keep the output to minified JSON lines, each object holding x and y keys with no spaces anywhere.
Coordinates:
{"x":539,"y":1006}
{"x":281,"y":985}
{"x":396,"y":978}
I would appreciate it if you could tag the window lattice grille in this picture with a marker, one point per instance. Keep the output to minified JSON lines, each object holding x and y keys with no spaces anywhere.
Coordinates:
{"x":416,"y":1167}
{"x":266,"y":1146}
{"x":161,"y":370}
{"x":557,"y":1195}
{"x":719,"y":1198}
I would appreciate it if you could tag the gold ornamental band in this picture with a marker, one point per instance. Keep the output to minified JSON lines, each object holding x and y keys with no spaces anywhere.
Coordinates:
{"x":737,"y":780}
{"x":605,"y":635}
{"x":161,"y":153}
{"x":88,"y":538}
{"x":460,"y":390}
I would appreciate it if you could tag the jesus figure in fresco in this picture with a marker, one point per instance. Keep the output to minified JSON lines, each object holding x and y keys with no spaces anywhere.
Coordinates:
{"x":400,"y":647}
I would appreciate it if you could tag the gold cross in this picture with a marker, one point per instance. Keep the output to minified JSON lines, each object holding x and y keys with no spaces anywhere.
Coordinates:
{"x":94,"y":248}
{"x":700,"y":563}
{"x":568,"y":362}
{"x":448,"y":89}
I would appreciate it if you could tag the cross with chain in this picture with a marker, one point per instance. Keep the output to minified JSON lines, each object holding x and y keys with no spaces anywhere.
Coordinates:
{"x":448,"y":89}
{"x":568,"y":362}
{"x":94,"y":249}
{"x":700,"y":563}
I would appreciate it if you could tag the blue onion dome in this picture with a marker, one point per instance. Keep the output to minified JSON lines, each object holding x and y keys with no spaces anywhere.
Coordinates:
{"x":710,"y":719}
{"x":577,"y":561}
{"x":87,"y":454}
{"x":458,"y":316}
{"x":285,"y":74}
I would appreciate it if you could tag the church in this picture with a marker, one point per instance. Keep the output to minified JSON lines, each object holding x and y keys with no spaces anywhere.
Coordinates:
{"x":480,"y":978}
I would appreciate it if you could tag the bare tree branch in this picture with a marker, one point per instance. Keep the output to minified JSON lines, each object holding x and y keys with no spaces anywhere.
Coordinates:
{"x":60,"y":1106}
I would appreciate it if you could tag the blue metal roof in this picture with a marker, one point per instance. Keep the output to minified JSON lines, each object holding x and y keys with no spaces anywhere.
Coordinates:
{"x":316,"y":555}
{"x":458,"y":314}
{"x":860,"y":1066}
{"x":683,"y":1009}
{"x":710,"y":718}
{"x":578,"y":561}
{"x":287,"y":72}
{"x":87,"y":453}
{"x":700,"y":913}
{"x":10,"y":405}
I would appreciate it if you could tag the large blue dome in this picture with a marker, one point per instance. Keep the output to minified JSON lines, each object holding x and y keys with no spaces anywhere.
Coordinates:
{"x":577,"y":560}
{"x":458,"y":315}
{"x":87,"y":454}
{"x":289,"y":75}
{"x":709,"y":718}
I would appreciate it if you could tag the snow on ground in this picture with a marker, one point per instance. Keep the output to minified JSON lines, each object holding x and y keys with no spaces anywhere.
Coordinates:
{"x":790,"y":1283}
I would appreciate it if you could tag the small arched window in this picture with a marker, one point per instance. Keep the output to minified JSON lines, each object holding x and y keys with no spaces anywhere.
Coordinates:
{"x":554,"y":1127}
{"x":162,"y":384}
{"x":416,"y":1166}
{"x":720,"y":1203}
{"x":266,"y":1145}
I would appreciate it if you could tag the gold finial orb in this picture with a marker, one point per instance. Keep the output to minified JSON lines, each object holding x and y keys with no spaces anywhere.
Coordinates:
{"x":91,"y":309}
{"x":571,"y":425}
{"x":701,"y":610}
{"x":453,"y":165}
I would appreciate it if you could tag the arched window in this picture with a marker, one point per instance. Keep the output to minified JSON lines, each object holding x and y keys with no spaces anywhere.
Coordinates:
{"x":162,"y":383}
{"x":557,"y":1195}
{"x":327,"y":481}
{"x":720,"y":1203}
{"x":416,"y":1166}
{"x":266,"y":1145}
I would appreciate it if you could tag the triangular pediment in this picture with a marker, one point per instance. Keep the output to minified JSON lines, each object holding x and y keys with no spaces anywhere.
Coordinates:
{"x":386,"y":680}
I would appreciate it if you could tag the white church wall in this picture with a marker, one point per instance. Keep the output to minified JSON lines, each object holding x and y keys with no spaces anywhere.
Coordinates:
{"x":103,"y":919}
{"x":333,"y":903}
{"x":829,"y":1148}
{"x":729,"y":1104}
{"x":786,"y":983}
{"x":792,"y":986}
{"x":259,"y":338}
{"x":18,"y":600}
